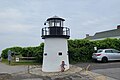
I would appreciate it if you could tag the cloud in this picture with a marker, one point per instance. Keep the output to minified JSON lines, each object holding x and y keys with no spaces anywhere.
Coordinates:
{"x":10,"y":13}
{"x":13,"y":21}
{"x":95,"y":20}
{"x":15,"y":28}
{"x":21,"y":20}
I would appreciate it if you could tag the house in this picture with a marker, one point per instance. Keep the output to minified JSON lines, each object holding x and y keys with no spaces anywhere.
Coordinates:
{"x":115,"y":33}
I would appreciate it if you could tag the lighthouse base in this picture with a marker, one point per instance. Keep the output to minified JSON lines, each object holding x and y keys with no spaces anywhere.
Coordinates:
{"x":54,"y":70}
{"x":55,"y":51}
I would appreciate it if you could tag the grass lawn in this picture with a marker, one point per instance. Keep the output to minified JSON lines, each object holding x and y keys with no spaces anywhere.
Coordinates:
{"x":21,"y":62}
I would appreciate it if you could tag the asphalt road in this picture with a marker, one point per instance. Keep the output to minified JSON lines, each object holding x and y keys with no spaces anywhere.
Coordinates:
{"x":110,"y":69}
{"x":99,"y":65}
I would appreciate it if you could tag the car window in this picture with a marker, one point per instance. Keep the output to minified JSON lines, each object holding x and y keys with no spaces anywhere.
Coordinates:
{"x":108,"y":51}
{"x":116,"y":51}
{"x":99,"y":51}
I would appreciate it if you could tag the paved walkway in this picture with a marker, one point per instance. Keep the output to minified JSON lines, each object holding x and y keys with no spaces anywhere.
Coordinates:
{"x":11,"y":69}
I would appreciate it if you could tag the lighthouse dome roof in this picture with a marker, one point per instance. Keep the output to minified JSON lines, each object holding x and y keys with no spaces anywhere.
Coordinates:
{"x":55,"y":18}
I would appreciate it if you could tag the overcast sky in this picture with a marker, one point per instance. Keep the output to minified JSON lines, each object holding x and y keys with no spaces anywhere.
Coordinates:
{"x":21,"y":20}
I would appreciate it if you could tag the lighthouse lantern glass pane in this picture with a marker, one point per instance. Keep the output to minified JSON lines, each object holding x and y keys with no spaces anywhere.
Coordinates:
{"x":51,"y":23}
{"x":57,"y":22}
{"x":61,"y":23}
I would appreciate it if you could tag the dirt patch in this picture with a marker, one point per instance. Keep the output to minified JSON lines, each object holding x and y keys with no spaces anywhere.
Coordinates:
{"x":5,"y":76}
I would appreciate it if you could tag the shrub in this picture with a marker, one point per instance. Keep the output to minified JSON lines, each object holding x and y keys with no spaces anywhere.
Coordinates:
{"x":80,"y":50}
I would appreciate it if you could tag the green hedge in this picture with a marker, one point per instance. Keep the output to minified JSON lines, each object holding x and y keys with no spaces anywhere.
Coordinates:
{"x":15,"y":50}
{"x":80,"y":50}
{"x":26,"y":52}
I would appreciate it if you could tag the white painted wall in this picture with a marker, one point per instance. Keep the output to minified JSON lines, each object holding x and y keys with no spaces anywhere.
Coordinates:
{"x":52,"y":61}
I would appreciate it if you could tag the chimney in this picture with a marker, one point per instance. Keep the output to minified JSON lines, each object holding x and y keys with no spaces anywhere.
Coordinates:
{"x":118,"y":27}
{"x":87,"y":35}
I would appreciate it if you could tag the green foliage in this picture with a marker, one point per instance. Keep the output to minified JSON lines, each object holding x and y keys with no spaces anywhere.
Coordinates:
{"x":80,"y":50}
{"x":15,"y":50}
{"x":39,"y":52}
{"x":26,"y":52}
{"x":108,"y":43}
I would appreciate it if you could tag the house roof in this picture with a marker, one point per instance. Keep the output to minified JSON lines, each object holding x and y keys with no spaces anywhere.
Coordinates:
{"x":105,"y":34}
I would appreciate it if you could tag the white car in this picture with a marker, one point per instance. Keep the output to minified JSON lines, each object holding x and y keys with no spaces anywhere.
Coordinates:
{"x":106,"y":55}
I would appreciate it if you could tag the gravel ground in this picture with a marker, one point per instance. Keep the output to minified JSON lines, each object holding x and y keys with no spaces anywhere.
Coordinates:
{"x":74,"y":73}
{"x":26,"y":76}
{"x":5,"y":76}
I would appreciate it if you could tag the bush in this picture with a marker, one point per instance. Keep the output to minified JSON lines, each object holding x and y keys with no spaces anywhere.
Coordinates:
{"x":80,"y":50}
{"x":4,"y":54}
{"x":15,"y":50}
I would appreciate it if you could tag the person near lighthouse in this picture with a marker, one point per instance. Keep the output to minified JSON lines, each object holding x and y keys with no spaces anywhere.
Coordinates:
{"x":63,"y":66}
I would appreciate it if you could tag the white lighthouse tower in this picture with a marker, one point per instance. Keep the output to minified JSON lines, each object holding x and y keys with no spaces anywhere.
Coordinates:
{"x":55,"y":45}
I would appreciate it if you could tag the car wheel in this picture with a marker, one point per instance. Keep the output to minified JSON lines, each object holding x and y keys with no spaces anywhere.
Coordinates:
{"x":104,"y":59}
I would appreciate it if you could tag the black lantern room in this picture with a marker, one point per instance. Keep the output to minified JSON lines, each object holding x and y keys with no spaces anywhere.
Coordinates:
{"x":55,"y":28}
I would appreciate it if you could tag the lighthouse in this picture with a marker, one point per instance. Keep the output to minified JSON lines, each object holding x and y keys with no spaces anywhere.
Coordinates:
{"x":55,"y":44}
